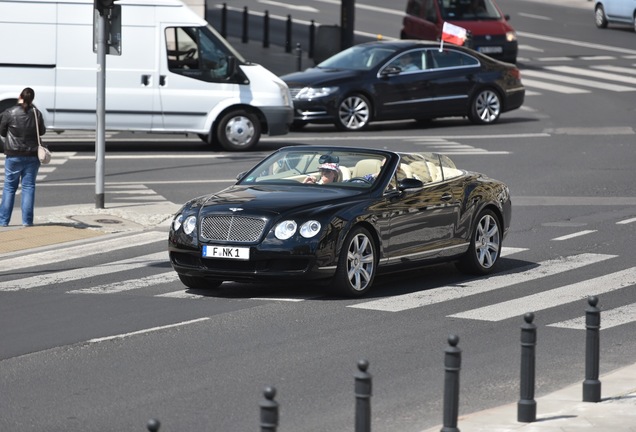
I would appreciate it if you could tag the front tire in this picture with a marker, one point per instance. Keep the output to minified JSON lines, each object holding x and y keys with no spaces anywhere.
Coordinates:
{"x":199,"y":283}
{"x":485,"y":107}
{"x":238,"y":130}
{"x":600,"y":19}
{"x":356,"y":264}
{"x":354,"y":113}
{"x":485,"y":245}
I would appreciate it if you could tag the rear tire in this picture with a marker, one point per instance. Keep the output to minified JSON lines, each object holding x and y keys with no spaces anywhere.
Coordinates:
{"x":485,"y":107}
{"x":199,"y":283}
{"x":238,"y":130}
{"x":485,"y":245}
{"x":356,"y":264}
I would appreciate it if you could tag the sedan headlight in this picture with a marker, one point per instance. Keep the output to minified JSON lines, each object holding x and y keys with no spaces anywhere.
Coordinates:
{"x":189,"y":224}
{"x":315,"y":92}
{"x":285,"y":229}
{"x":310,"y":229}
{"x":511,"y":36}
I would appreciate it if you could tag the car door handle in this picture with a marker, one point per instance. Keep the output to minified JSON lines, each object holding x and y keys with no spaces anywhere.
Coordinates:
{"x":447,"y":197}
{"x":145,"y":80}
{"x":162,"y":80}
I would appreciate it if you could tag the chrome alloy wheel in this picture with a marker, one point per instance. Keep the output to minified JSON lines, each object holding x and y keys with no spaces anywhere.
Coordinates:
{"x":487,"y":106}
{"x":240,"y":130}
{"x":354,"y":113}
{"x":360,"y":262}
{"x":487,"y":241}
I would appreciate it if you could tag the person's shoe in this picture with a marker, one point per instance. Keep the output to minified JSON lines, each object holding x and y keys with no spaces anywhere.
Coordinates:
{"x":27,"y":225}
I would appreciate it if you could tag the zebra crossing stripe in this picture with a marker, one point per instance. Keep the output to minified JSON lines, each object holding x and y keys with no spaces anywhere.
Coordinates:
{"x":128,"y":285}
{"x":70,"y":253}
{"x":553,"y":297}
{"x":438,"y":295}
{"x":84,"y":273}
{"x":594,"y":74}
{"x":577,"y":81}
{"x":609,"y":318}
{"x":559,"y":88}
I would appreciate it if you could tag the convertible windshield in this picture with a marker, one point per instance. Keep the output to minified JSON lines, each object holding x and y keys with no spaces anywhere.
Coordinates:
{"x":320,"y":167}
{"x":359,"y":57}
{"x":469,"y":10}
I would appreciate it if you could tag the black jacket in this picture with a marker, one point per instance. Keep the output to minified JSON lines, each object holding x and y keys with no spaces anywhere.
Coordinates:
{"x":17,"y":127}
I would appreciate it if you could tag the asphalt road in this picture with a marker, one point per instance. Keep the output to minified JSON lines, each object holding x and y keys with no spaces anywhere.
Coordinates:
{"x":568,"y":158}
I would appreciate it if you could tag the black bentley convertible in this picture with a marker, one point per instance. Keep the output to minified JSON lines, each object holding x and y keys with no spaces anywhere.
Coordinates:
{"x":340,"y":214}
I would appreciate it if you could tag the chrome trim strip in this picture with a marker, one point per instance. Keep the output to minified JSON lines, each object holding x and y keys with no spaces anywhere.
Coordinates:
{"x":423,"y":254}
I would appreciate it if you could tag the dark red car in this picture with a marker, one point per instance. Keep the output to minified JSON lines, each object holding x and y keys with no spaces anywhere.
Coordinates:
{"x":488,"y":27}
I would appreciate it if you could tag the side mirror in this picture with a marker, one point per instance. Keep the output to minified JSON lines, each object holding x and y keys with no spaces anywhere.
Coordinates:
{"x":409,"y":184}
{"x":241,"y":175}
{"x":390,"y":70}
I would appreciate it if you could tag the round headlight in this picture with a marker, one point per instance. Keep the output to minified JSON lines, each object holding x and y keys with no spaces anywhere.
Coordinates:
{"x":190,"y":224}
{"x":285,"y":229}
{"x":310,"y":229}
{"x":176,"y":222}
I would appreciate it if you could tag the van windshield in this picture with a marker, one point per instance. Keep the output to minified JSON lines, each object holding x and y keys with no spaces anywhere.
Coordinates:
{"x":469,"y":10}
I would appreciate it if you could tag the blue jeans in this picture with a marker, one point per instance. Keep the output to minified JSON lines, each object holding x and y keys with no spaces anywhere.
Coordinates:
{"x":16,"y":168}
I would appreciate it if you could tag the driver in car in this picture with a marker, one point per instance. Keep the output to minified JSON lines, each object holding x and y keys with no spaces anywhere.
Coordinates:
{"x":328,"y":174}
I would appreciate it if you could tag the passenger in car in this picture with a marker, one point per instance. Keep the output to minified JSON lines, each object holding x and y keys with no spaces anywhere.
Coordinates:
{"x":328,"y":174}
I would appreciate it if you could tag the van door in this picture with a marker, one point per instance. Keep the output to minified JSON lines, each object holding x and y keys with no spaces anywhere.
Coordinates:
{"x":194,"y":78}
{"x":129,"y":91}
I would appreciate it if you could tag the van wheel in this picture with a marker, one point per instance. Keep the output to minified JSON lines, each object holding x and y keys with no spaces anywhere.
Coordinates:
{"x":600,"y":19}
{"x":238,"y":130}
{"x":485,"y":108}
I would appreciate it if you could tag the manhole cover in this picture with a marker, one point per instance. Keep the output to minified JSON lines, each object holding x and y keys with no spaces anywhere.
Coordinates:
{"x":108,"y":221}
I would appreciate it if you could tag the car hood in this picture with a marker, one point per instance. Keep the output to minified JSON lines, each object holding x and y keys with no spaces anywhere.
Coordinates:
{"x":320,"y":77}
{"x":272,"y":200}
{"x":485,"y":27}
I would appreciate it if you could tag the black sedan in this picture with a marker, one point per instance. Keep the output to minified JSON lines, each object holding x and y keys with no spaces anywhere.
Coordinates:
{"x":396,"y":80}
{"x":340,"y":215}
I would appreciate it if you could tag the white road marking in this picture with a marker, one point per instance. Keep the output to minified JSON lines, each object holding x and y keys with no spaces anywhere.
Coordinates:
{"x":626,"y":221}
{"x":609,"y":318}
{"x":148,"y":330}
{"x":131,"y":284}
{"x":593,"y":74}
{"x":616,"y":69}
{"x":553,"y":297}
{"x":559,"y":88}
{"x":477,"y":286}
{"x":83,"y":273}
{"x":66,"y":254}
{"x":605,"y":48}
{"x":576,"y":81}
{"x":576,"y":234}
{"x":289,"y":6}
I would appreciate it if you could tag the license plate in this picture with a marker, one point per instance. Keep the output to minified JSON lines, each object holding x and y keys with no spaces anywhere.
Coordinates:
{"x":490,"y":49}
{"x":229,"y":252}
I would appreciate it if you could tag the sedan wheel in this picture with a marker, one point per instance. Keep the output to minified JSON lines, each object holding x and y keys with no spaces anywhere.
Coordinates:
{"x":238,"y":131}
{"x":599,"y":17}
{"x":356,"y":264}
{"x":194,"y":282}
{"x":485,"y":107}
{"x":354,"y":113}
{"x":485,"y":245}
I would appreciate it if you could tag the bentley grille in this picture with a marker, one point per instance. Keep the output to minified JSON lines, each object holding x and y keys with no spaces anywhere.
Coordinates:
{"x":232,"y":228}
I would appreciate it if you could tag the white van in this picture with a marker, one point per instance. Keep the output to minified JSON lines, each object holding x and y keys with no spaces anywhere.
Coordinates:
{"x":175,"y":74}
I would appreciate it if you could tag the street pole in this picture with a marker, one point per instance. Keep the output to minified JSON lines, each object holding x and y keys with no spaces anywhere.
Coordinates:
{"x":100,"y":135}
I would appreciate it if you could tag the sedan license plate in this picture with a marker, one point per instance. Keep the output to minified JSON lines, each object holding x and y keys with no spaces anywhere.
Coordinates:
{"x":229,"y":252}
{"x":490,"y":49}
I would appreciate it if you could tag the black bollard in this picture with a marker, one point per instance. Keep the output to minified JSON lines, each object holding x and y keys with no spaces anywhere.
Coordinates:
{"x":312,"y":39}
{"x":266,"y":30}
{"x":363,"y":397}
{"x":527,"y":406}
{"x":269,"y":411}
{"x":224,"y":20}
{"x":592,"y":385}
{"x":452,"y":366}
{"x":299,"y":57}
{"x":288,"y":34}
{"x":153,"y":425}
{"x":244,"y":34}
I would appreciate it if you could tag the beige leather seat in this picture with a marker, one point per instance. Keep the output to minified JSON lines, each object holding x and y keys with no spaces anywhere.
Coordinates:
{"x":420,"y":171}
{"x":366,"y":166}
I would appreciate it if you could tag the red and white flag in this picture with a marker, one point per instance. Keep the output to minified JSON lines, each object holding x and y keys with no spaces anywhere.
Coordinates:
{"x":454,"y":34}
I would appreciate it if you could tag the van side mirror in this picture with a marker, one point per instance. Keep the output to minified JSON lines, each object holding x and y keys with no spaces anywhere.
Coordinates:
{"x":234,"y":72}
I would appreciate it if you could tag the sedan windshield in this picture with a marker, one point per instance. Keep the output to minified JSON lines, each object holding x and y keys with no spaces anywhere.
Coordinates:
{"x":359,"y":57}
{"x":469,"y":10}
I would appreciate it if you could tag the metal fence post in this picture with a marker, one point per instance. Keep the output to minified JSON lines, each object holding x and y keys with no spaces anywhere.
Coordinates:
{"x":527,"y":406}
{"x":224,"y":20}
{"x":592,"y":385}
{"x":266,"y":30}
{"x":299,"y":57}
{"x":288,"y":34}
{"x":244,"y":35}
{"x":269,"y":411}
{"x":452,"y":366}
{"x":312,"y":38}
{"x":363,"y":397}
{"x":153,"y":425}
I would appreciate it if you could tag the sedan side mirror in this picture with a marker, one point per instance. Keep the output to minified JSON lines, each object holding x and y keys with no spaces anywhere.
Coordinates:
{"x":390,"y":70}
